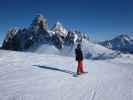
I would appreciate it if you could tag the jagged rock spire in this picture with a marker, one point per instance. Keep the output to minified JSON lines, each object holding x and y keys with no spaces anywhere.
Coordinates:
{"x":39,"y":22}
{"x":59,"y":28}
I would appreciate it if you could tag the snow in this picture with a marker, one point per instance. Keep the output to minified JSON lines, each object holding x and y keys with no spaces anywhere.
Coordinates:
{"x":123,"y":43}
{"x":93,"y":50}
{"x":58,"y":28}
{"x":61,"y":28}
{"x":47,"y":49}
{"x":30,"y":76}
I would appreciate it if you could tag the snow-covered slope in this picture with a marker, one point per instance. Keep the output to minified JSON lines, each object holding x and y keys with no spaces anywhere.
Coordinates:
{"x":96,"y":51}
{"x":28,"y":76}
{"x":90,"y":50}
{"x":47,"y":49}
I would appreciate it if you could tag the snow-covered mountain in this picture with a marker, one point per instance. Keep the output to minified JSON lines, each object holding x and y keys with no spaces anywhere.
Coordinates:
{"x":31,"y":76}
{"x":123,"y":43}
{"x":57,"y":40}
{"x":58,"y":28}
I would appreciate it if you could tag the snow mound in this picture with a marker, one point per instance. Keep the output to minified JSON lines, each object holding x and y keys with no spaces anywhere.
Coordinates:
{"x":95,"y":51}
{"x":47,"y":49}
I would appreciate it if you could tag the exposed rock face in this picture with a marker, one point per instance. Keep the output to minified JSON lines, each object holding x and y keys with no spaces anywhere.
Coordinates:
{"x":10,"y":42}
{"x":39,"y":22}
{"x":69,"y":40}
{"x":23,"y":39}
{"x":38,"y":34}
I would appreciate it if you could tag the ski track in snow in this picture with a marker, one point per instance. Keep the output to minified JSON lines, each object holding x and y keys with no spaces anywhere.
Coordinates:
{"x":28,"y":76}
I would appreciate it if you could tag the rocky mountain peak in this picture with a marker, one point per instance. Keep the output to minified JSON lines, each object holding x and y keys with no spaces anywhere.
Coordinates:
{"x":39,"y":22}
{"x":58,"y":24}
{"x":59,"y":29}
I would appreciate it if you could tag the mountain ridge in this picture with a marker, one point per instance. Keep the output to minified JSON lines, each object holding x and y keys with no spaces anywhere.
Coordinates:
{"x":123,"y":43}
{"x":39,"y":37}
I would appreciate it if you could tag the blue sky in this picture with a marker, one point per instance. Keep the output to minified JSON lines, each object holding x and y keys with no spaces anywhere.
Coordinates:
{"x":102,"y":19}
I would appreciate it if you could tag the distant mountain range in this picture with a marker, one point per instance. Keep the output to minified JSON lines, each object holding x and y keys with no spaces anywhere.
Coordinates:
{"x":59,"y":40}
{"x":38,"y":34}
{"x":123,"y":43}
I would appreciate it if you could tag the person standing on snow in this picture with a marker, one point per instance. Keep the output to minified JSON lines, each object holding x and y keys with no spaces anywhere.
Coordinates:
{"x":79,"y":59}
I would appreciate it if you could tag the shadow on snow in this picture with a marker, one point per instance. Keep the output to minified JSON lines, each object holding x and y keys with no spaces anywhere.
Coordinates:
{"x":56,"y":69}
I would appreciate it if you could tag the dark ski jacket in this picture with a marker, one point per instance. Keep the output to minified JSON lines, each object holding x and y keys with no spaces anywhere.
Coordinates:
{"x":78,"y":54}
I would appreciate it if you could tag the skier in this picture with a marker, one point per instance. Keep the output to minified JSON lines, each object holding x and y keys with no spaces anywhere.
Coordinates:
{"x":79,"y":59}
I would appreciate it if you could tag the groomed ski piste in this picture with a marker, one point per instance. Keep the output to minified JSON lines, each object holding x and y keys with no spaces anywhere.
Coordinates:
{"x":30,"y":76}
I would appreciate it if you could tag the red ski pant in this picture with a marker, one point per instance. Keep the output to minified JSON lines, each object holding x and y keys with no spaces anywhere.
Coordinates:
{"x":80,"y":67}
